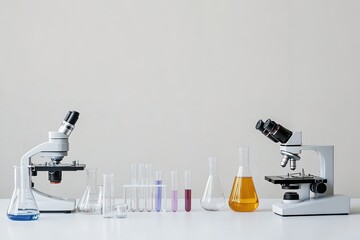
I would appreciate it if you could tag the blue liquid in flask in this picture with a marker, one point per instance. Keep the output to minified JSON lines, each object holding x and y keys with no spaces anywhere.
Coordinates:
{"x":23,"y":217}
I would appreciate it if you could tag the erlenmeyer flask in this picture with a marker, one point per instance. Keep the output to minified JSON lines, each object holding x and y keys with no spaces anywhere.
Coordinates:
{"x":243,"y":197}
{"x":22,"y":205}
{"x":213,"y":198}
{"x":89,"y":203}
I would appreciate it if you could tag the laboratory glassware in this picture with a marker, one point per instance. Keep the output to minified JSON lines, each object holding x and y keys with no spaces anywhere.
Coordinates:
{"x":141,"y":187}
{"x":89,"y":203}
{"x":188,"y":190}
{"x":148,"y":190}
{"x":213,"y":198}
{"x":108,"y":202}
{"x":22,"y":204}
{"x":174,"y":191}
{"x":133,"y":190}
{"x":243,"y":197}
{"x":158,"y":192}
{"x":121,"y":210}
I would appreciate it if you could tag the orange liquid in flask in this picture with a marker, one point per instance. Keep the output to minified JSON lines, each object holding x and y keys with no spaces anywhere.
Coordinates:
{"x":243,"y":197}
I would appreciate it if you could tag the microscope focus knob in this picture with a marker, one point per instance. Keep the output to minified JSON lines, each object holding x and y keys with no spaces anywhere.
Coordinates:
{"x":318,"y":187}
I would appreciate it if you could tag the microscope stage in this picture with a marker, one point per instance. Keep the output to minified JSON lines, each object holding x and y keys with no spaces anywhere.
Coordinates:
{"x":58,"y":167}
{"x":295,"y":179}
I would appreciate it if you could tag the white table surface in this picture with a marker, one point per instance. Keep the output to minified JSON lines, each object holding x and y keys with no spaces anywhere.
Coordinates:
{"x":197,"y":224}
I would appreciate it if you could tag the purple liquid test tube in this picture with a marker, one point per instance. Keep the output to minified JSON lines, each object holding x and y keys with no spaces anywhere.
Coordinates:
{"x":174,"y":191}
{"x":188,"y":190}
{"x":158,"y":191}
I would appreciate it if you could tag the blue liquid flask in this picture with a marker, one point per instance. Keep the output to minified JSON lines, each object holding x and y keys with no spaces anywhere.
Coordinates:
{"x":22,"y":204}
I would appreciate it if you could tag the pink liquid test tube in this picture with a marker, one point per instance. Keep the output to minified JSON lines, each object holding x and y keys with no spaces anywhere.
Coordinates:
{"x":174,"y":191}
{"x":188,"y":190}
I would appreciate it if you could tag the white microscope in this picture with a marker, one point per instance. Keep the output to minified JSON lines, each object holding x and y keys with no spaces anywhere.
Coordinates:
{"x":299,"y":186}
{"x":56,"y":148}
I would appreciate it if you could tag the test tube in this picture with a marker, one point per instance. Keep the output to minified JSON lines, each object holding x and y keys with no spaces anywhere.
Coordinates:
{"x":174,"y":191}
{"x":158,"y":193}
{"x":188,"y":190}
{"x":140,"y":188}
{"x":149,"y":190}
{"x":133,"y":192}
{"x":108,"y":196}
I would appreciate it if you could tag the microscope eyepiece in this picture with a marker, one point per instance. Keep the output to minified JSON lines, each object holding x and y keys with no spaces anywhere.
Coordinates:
{"x":69,"y":122}
{"x":260,"y":126}
{"x":72,"y":117}
{"x":277,"y":131}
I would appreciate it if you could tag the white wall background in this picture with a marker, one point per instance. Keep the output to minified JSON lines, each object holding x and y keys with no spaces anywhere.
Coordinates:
{"x":173,"y":82}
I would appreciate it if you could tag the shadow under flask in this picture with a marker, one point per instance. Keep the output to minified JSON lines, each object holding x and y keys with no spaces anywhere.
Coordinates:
{"x":243,"y":197}
{"x":22,"y":204}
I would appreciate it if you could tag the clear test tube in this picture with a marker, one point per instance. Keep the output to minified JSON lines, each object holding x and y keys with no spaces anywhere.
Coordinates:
{"x":141,"y":187}
{"x":174,"y":191}
{"x":188,"y":190}
{"x":133,"y":191}
{"x":158,"y":191}
{"x":149,"y":190}
{"x":108,"y":196}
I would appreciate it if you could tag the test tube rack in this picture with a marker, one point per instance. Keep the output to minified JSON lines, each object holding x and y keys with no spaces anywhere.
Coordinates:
{"x":145,"y":198}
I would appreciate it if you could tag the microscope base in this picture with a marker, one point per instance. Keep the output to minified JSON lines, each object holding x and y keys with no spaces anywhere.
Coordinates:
{"x":332,"y":205}
{"x":51,"y":204}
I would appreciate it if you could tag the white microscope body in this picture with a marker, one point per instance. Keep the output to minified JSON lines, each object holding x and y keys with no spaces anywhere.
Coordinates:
{"x":320,"y":203}
{"x":56,"y":148}
{"x":305,"y":194}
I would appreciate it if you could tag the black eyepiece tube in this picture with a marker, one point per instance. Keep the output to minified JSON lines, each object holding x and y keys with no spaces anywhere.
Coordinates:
{"x":69,"y":122}
{"x":277,"y":131}
{"x":72,"y":117}
{"x":260,"y":126}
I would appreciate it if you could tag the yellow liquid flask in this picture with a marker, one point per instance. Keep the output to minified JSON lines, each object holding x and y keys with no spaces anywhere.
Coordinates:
{"x":243,"y":197}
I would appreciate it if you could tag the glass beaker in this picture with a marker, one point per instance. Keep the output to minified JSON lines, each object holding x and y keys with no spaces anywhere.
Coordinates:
{"x":89,"y":203}
{"x":22,"y":204}
{"x":243,"y":197}
{"x":213,"y":198}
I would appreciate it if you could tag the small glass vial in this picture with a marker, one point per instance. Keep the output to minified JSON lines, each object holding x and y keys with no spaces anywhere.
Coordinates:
{"x":243,"y":197}
{"x":213,"y":198}
{"x":188,"y":190}
{"x":174,"y":191}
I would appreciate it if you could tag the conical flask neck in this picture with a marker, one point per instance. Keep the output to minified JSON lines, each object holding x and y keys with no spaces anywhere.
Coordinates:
{"x":213,"y":167}
{"x":244,"y":169}
{"x":91,"y":178}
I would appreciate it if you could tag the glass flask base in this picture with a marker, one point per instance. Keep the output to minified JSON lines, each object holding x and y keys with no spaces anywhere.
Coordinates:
{"x":29,"y":217}
{"x":243,"y":196}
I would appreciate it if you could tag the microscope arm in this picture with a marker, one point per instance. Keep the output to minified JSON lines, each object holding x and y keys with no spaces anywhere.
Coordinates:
{"x":326,"y":157}
{"x":57,"y":146}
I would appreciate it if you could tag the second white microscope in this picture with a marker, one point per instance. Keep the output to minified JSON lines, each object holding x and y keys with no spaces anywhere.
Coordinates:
{"x":56,"y":149}
{"x":299,"y":186}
